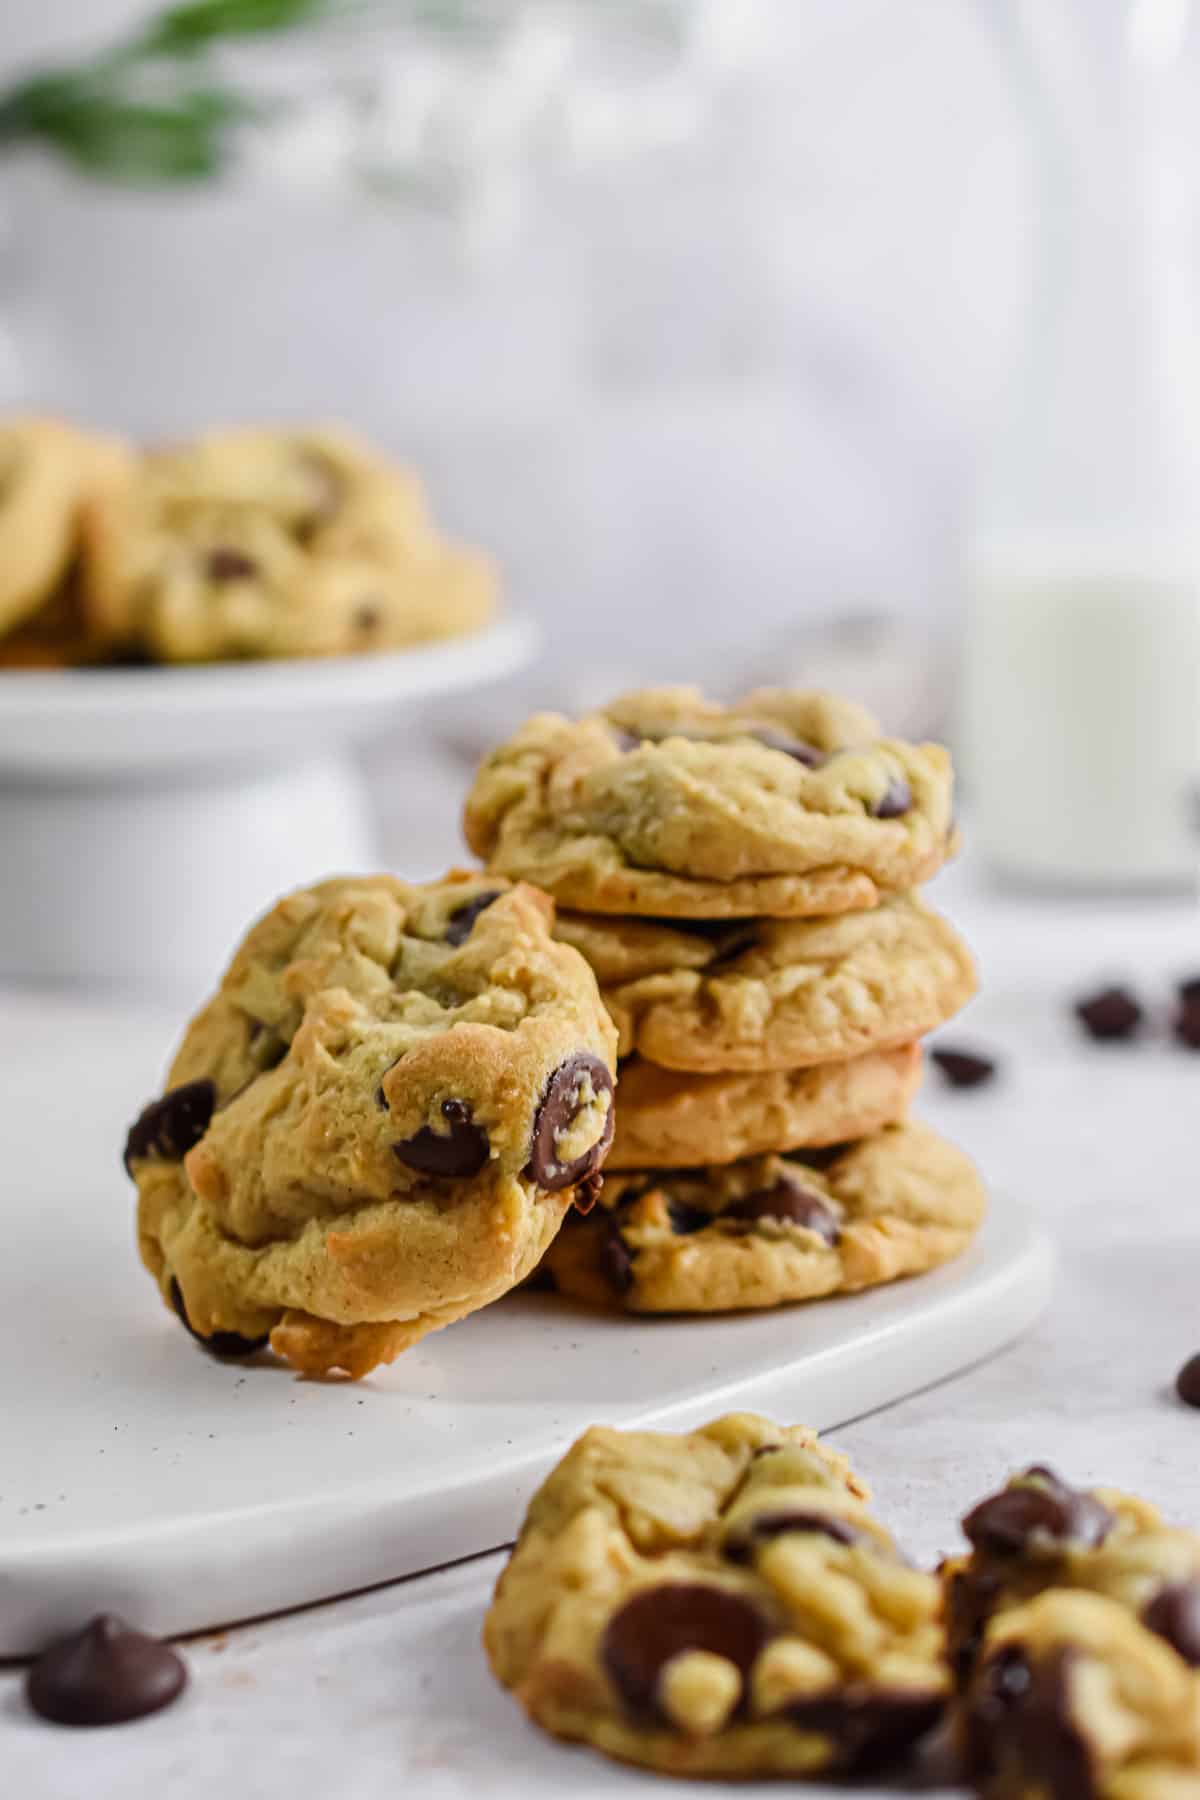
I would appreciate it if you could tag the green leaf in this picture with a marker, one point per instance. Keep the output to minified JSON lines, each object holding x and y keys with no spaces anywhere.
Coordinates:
{"x":193,"y":26}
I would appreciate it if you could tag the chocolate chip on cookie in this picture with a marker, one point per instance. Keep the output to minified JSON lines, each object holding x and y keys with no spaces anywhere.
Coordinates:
{"x":580,"y":1087}
{"x":166,"y":1129}
{"x":791,"y":1205}
{"x":663,"y":1622}
{"x":1109,"y":1015}
{"x":1187,"y":1024}
{"x":227,"y":564}
{"x":800,"y":752}
{"x":739,"y":1545}
{"x":616,"y":1263}
{"x":895,"y":801}
{"x":105,"y":1674}
{"x":1174,"y":1614}
{"x":225,"y":1345}
{"x":462,"y":920}
{"x":1037,"y":1510}
{"x":460,"y":1150}
{"x":869,"y":1726}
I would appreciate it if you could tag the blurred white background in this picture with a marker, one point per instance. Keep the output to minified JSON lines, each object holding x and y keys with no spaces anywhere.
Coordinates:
{"x":721,"y":373}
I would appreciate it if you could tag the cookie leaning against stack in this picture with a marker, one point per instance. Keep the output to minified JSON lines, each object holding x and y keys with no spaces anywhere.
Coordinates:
{"x":741,"y":880}
{"x":377,"y":1123}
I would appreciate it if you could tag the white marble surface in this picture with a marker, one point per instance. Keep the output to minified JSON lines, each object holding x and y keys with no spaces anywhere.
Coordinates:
{"x":388,"y":1693}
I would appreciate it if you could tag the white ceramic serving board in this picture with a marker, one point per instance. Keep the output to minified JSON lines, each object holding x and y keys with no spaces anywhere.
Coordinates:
{"x":140,"y":1475}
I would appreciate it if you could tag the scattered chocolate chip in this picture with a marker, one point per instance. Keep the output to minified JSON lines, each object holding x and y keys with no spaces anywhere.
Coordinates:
{"x":461,"y":921}
{"x":367,"y":616}
{"x":868,"y":1726}
{"x":104,"y":1675}
{"x":459,"y":1151}
{"x":794,"y":1205}
{"x":1187,"y":1024}
{"x":739,"y":1545}
{"x":662,"y":1622}
{"x":559,"y":1107}
{"x":1174,"y":1614}
{"x":963,"y":1068}
{"x":1037,"y":1506}
{"x":224,"y":564}
{"x":1019,"y":1719}
{"x":800,"y":752}
{"x":1109,"y":1015}
{"x":222,"y":1344}
{"x":167,"y":1129}
{"x":895,"y":800}
{"x":687,"y":1219}
{"x":587,"y":1193}
{"x":616,"y":1263}
{"x":1187,"y":1382}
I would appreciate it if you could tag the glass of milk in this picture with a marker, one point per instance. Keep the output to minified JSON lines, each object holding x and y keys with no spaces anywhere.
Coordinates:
{"x":1081,"y":724}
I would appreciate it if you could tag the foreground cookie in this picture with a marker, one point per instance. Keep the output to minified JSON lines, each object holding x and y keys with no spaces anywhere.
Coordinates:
{"x":47,"y":470}
{"x":776,"y":993}
{"x":665,"y":804}
{"x":718,"y":1603}
{"x":1039,"y":1533}
{"x":265,"y":543}
{"x":773,"y":1229}
{"x":377,"y":1123}
{"x":1074,"y":1700}
{"x":670,"y":1120}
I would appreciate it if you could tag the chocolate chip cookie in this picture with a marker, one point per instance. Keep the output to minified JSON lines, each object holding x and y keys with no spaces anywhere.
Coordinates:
{"x":668,"y":805}
{"x":1073,"y":1699}
{"x":273,"y":543}
{"x":1038,"y":1533}
{"x":773,"y":1229}
{"x":717,"y":1603}
{"x":47,"y":470}
{"x":377,"y":1123}
{"x":670,"y":1120}
{"x":776,"y":993}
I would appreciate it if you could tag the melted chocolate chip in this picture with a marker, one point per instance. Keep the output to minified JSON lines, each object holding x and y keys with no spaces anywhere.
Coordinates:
{"x":1019,"y":1720}
{"x":792,"y":1204}
{"x":687,"y":1219}
{"x":460,"y":1151}
{"x":1109,"y":1015}
{"x":972,"y":1596}
{"x":461,"y":921}
{"x":800,"y":752}
{"x":167,"y":1129}
{"x":1186,"y":1026}
{"x":1037,"y":1507}
{"x":559,"y":1107}
{"x":1174,"y":1614}
{"x":587,"y":1193}
{"x":222,"y":1344}
{"x":103,"y":1675}
{"x":869,"y":1726}
{"x":895,"y":800}
{"x":225,"y":564}
{"x":739,"y":1545}
{"x":962,"y":1068}
{"x":662,"y":1622}
{"x":616,"y":1263}
{"x":1187,"y":1382}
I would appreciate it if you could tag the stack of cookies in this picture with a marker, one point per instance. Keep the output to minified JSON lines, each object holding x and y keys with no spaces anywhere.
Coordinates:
{"x":742,"y":881}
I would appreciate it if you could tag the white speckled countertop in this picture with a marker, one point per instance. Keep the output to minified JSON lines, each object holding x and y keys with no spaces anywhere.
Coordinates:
{"x":388,"y":1693}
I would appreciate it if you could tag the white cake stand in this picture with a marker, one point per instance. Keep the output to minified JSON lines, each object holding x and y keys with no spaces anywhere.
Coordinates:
{"x":147,"y":814}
